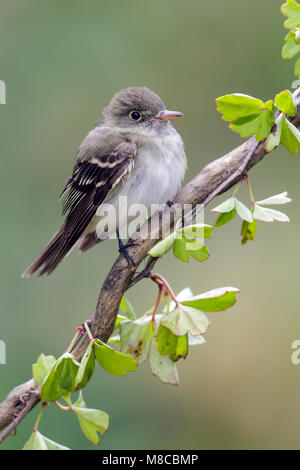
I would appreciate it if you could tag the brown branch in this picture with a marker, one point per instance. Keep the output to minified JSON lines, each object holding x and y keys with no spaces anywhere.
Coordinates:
{"x":218,"y":176}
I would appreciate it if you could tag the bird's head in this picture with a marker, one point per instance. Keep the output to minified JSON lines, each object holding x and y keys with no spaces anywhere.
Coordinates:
{"x":137,"y":108}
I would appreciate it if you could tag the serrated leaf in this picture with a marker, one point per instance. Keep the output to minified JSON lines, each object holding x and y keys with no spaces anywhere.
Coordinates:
{"x":136,"y":337}
{"x":186,"y":319}
{"x":243,"y":211}
{"x":285,"y":103}
{"x":269,"y":215}
{"x":224,"y":218}
{"x":290,"y":136}
{"x":86,"y":368}
{"x":127,"y":308}
{"x":214,"y":300}
{"x":163,"y":246}
{"x":175,"y":346}
{"x":290,"y":49}
{"x":258,"y":124}
{"x":281,"y":198}
{"x":248,"y":231}
{"x":91,"y":421}
{"x":39,"y":442}
{"x":42,"y":367}
{"x":162,"y":366}
{"x":273,"y":139}
{"x":184,"y":248}
{"x":114,"y":362}
{"x":237,"y":105}
{"x":291,"y":9}
{"x":200,"y":231}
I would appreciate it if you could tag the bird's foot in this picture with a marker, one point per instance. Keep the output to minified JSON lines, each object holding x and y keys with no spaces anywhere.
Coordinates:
{"x":123,"y":249}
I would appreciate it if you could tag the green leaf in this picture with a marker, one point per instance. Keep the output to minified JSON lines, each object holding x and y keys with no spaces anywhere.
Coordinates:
{"x":113,"y":361}
{"x":60,"y":379}
{"x":269,"y":215}
{"x":258,"y":124}
{"x":224,"y":218}
{"x":185,"y":247}
{"x":200,"y":231}
{"x":175,"y":346}
{"x":214,"y":300}
{"x":119,"y":319}
{"x":291,"y":9}
{"x":86,"y":368}
{"x":162,"y":366}
{"x":248,"y":231}
{"x":136,"y":337}
{"x":285,"y":103}
{"x":42,"y":367}
{"x":290,"y":137}
{"x":39,"y":442}
{"x":186,"y":319}
{"x":281,"y":198}
{"x":273,"y":139}
{"x":237,"y":105}
{"x":290,"y":49}
{"x":163,"y":246}
{"x":127,"y":308}
{"x":243,"y":211}
{"x":297,"y":68}
{"x":91,"y":421}
{"x":226,"y":206}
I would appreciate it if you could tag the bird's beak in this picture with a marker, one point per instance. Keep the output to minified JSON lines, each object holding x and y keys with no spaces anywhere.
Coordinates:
{"x":166,"y":115}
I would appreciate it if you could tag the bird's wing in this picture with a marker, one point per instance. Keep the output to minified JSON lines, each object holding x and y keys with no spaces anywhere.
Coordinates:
{"x":92,"y":181}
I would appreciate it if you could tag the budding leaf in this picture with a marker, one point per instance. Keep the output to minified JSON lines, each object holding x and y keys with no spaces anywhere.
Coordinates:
{"x":185,"y":247}
{"x":233,"y":204}
{"x":162,"y":366}
{"x":224,"y":218}
{"x":163,"y":246}
{"x":248,"y":231}
{"x":290,"y":136}
{"x":269,"y":215}
{"x":285,"y":103}
{"x":136,"y":337}
{"x":214,"y":300}
{"x":91,"y":420}
{"x":42,"y":367}
{"x":175,"y":346}
{"x":291,"y":9}
{"x":281,"y":198}
{"x":113,"y":361}
{"x":273,"y":139}
{"x":39,"y":442}
{"x":127,"y":308}
{"x":186,"y":319}
{"x":86,"y":368}
{"x":60,"y":379}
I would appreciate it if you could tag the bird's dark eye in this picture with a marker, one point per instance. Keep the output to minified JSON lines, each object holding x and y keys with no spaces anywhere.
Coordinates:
{"x":135,"y":115}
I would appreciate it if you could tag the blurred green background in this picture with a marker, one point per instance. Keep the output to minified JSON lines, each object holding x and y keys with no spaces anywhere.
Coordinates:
{"x":62,"y":62}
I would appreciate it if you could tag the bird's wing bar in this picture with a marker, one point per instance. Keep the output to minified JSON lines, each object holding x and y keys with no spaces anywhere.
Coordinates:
{"x":88,"y":189}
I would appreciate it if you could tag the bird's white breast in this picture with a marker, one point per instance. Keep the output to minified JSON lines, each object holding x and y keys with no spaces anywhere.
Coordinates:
{"x":159,"y":168}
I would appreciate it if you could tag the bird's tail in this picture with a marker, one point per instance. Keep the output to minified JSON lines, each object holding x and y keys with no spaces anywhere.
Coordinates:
{"x":57,"y":249}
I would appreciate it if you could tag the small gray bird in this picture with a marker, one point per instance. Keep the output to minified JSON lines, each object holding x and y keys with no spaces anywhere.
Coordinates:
{"x":132,"y":151}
